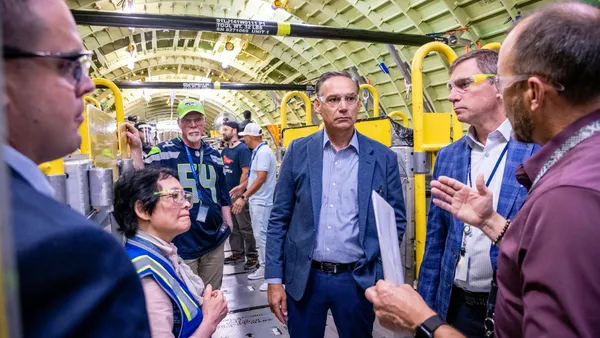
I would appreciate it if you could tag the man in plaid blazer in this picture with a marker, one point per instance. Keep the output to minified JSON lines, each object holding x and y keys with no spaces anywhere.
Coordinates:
{"x":457,"y":268}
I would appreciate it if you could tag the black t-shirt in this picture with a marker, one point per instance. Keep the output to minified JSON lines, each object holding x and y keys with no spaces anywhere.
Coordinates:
{"x":234,"y":159}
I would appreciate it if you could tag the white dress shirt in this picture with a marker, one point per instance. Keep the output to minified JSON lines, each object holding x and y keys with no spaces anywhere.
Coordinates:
{"x":483,"y":159}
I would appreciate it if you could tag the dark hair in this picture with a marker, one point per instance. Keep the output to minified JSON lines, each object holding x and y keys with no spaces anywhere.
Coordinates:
{"x":329,"y":75}
{"x":137,"y":185}
{"x":247,"y":114}
{"x":21,"y":27}
{"x":487,"y":60}
{"x":561,"y":43}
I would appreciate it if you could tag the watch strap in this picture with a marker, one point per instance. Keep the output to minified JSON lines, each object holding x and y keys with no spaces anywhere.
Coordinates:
{"x":428,"y":327}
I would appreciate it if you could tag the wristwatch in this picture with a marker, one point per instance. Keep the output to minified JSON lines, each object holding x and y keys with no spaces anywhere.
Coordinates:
{"x":428,"y":327}
{"x":243,"y":198}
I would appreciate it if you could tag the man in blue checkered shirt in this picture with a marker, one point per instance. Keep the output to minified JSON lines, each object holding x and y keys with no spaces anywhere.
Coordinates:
{"x":456,"y":273}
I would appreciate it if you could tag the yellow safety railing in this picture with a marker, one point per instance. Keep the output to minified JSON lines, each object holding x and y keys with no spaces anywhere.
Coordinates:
{"x":401,"y":115}
{"x":420,"y":147}
{"x":375,"y":98}
{"x":93,"y":101}
{"x":492,"y":45}
{"x":119,"y":115}
{"x":307,"y":104}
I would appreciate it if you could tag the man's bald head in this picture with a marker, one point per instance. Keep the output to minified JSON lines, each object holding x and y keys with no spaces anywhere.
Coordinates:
{"x":21,"y":24}
{"x":561,"y":43}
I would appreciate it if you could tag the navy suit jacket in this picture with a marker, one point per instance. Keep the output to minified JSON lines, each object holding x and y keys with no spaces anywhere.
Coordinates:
{"x":445,"y":232}
{"x":75,"y":280}
{"x":297,"y":206}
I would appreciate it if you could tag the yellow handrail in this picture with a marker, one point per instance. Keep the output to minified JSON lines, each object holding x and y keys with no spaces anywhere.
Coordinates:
{"x":492,"y":45}
{"x":119,"y":111}
{"x":375,"y":98}
{"x":93,"y":101}
{"x":401,"y":115}
{"x":307,"y":104}
{"x":417,"y":101}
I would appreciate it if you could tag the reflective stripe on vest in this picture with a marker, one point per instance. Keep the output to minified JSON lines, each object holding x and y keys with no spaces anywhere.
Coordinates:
{"x":145,"y":265}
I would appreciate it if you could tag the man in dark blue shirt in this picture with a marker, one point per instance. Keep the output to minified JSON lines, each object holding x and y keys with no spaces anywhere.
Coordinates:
{"x":236,"y":161}
{"x":200,"y":171}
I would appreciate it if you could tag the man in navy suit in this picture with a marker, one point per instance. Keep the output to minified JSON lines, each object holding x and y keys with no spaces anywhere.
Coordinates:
{"x":322,"y":239}
{"x":456,"y":274}
{"x":74,"y":279}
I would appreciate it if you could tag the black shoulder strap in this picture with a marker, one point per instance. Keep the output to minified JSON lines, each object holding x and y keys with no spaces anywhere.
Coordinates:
{"x":491,"y":307}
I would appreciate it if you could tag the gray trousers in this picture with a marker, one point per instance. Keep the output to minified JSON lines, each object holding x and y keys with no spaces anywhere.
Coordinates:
{"x":242,"y":240}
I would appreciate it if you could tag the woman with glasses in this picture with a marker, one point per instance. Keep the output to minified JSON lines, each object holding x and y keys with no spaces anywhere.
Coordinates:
{"x":152,"y":208}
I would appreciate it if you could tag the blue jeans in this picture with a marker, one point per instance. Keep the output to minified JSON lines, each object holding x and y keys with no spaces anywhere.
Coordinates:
{"x":352,"y":313}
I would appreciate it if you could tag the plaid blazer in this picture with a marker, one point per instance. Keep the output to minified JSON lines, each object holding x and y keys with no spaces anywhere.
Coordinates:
{"x":444,"y":231}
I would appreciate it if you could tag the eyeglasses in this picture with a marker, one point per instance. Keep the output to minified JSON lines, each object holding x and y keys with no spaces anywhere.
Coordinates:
{"x":462,"y":84}
{"x":506,"y":81}
{"x":188,"y":121}
{"x":179,"y":196}
{"x":79,"y":63}
{"x":333,"y":101}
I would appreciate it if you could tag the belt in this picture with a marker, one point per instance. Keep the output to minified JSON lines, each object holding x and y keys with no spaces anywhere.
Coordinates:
{"x":472,"y":298}
{"x":328,"y":267}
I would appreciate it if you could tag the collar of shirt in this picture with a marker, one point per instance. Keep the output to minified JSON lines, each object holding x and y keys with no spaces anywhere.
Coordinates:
{"x":528,"y":171}
{"x":503,"y":131}
{"x":168,"y":248}
{"x":30,"y":172}
{"x":353,"y":141}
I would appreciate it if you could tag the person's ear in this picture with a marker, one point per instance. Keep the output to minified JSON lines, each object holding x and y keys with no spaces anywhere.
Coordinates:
{"x":535,"y":94}
{"x":140,"y":212}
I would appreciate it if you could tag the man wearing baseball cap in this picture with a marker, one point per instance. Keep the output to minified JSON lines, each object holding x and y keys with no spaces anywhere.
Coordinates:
{"x":200,"y":170}
{"x":259,"y":195}
{"x":236,"y":160}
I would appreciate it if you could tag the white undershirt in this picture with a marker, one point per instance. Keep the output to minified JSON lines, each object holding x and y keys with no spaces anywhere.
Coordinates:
{"x":483,"y":160}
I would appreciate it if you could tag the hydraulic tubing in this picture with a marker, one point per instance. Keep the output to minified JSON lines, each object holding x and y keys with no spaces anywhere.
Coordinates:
{"x":240,"y":26}
{"x":213,"y":85}
{"x":420,"y":147}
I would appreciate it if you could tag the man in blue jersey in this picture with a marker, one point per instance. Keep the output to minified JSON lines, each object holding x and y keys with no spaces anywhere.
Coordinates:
{"x":200,"y":170}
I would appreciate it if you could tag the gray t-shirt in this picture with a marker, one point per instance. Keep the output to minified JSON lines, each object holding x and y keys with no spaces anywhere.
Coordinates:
{"x":263,"y":160}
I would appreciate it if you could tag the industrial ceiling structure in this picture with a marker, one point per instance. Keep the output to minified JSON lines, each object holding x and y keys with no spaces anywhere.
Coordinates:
{"x":149,"y":55}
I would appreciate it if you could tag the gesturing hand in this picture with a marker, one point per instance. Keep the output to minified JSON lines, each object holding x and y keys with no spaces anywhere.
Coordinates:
{"x":472,"y":206}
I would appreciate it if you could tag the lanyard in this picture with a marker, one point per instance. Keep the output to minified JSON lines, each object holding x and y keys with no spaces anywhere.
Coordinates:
{"x":194,"y":172}
{"x":581,"y":135}
{"x":467,"y":229}
{"x":253,"y":156}
{"x":489,"y":180}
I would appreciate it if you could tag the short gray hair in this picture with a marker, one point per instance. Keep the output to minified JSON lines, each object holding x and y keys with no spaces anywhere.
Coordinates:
{"x":329,"y":75}
{"x":21,"y":27}
{"x":487,"y":60}
{"x":561,"y":43}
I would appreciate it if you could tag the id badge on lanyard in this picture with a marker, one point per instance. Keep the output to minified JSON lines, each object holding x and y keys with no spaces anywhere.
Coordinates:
{"x":202,"y":209}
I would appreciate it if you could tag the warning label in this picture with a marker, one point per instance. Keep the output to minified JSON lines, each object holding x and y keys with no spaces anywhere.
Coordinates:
{"x":245,"y":27}
{"x":197,"y":85}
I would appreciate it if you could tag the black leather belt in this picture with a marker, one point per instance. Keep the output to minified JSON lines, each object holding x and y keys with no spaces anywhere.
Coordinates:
{"x":328,"y":267}
{"x":472,"y":298}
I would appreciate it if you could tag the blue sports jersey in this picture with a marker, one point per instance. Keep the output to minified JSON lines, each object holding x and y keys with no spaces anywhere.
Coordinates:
{"x":202,"y":237}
